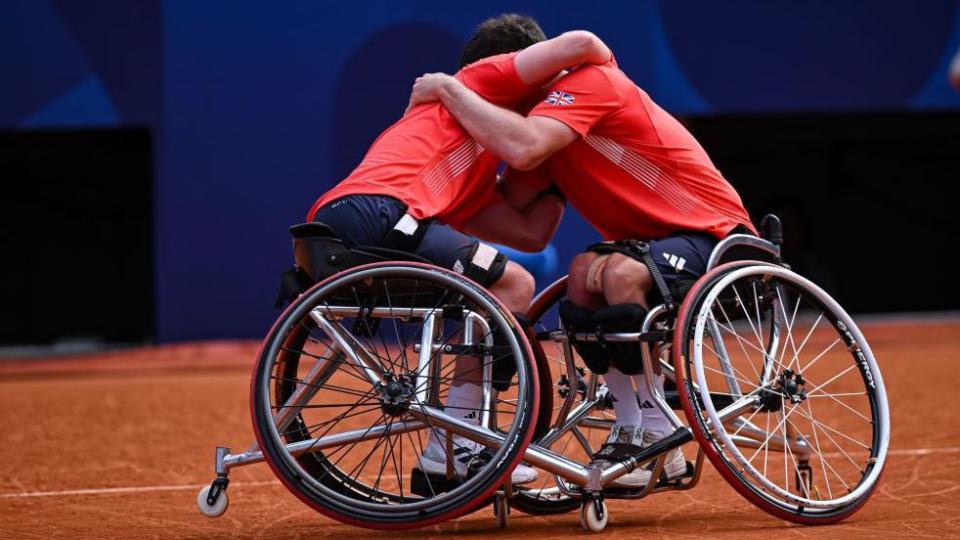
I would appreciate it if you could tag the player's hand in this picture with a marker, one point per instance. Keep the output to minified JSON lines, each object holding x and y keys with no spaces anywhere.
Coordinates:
{"x":426,"y":89}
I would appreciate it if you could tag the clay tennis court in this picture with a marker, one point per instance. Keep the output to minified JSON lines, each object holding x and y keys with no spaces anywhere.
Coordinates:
{"x":117,"y":446}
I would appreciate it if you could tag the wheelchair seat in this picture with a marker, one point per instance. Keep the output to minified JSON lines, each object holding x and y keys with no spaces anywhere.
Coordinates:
{"x":744,"y":247}
{"x":319,"y":253}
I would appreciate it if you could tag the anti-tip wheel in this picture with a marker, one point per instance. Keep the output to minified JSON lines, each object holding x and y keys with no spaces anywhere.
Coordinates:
{"x":593,"y":515}
{"x":217,"y":508}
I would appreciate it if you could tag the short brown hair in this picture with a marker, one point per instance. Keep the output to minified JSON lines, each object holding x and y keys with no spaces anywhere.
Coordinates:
{"x":498,"y":35}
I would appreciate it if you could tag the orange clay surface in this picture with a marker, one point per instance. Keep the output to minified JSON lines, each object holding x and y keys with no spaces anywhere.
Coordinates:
{"x":117,"y":446}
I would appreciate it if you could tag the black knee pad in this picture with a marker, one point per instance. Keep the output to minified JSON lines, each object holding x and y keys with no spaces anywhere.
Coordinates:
{"x":580,"y":319}
{"x":504,"y":366}
{"x":627,"y":357}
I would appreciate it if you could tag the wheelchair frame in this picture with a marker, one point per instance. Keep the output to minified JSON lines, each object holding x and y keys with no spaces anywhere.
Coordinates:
{"x":587,"y":482}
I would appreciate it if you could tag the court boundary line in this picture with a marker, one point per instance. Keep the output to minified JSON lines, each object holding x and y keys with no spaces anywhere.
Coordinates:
{"x":185,"y":487}
{"x":132,"y":489}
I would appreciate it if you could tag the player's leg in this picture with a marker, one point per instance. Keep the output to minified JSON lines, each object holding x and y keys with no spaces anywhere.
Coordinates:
{"x":512,"y":285}
{"x":626,"y":281}
{"x":515,"y":287}
{"x":585,"y":293}
{"x":678,"y":257}
{"x":578,"y":291}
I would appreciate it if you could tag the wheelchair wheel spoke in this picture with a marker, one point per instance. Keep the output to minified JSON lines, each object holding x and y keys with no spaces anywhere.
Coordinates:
{"x":822,"y":353}
{"x":790,"y":320}
{"x":335,"y":388}
{"x":765,"y":446}
{"x":741,"y":342}
{"x":827,"y":428}
{"x":721,"y":372}
{"x":356,"y":411}
{"x":743,"y":307}
{"x":817,"y":449}
{"x":832,"y":379}
{"x":396,"y":330}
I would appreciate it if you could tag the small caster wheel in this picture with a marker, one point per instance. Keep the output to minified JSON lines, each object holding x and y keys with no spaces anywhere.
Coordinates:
{"x":593,"y":514}
{"x":218,"y":494}
{"x":501,"y":510}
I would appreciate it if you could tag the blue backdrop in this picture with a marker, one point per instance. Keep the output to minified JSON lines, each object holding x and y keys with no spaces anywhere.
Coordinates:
{"x":256,"y":110}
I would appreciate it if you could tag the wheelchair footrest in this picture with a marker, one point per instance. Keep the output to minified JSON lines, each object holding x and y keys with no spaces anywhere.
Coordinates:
{"x":720,"y":401}
{"x":630,"y":493}
{"x":427,"y":484}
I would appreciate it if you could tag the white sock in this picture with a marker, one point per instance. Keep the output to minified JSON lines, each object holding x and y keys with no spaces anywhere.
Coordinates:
{"x":463,"y":401}
{"x":653,"y":417}
{"x":624,"y":404}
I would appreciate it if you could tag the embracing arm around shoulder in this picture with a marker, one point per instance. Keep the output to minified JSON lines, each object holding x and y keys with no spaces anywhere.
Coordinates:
{"x":522,"y":142}
{"x":541,"y":62}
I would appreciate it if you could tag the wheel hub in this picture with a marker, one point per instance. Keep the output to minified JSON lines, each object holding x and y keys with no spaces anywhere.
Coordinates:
{"x":788,"y":385}
{"x":792,"y":385}
{"x":395,"y":394}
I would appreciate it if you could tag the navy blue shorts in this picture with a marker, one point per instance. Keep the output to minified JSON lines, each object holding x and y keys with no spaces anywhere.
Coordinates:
{"x":681,"y":259}
{"x":364,"y":220}
{"x":683,"y":255}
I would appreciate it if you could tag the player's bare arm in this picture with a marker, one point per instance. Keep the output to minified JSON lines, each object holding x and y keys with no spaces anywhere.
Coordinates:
{"x":517,"y":194}
{"x":539,"y":63}
{"x":528,"y":229}
{"x":522,"y":142}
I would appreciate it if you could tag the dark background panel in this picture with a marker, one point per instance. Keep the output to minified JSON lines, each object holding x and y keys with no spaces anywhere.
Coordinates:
{"x":868,"y":201}
{"x":76,"y":236}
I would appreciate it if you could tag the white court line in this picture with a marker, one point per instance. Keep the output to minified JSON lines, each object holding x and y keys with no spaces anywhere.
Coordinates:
{"x":924,"y":451}
{"x":910,"y":451}
{"x":111,"y":491}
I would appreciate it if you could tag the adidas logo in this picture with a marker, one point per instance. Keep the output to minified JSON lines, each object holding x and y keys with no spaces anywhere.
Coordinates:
{"x":645,"y":404}
{"x":471,"y":416}
{"x":458,"y":267}
{"x":675,"y":262}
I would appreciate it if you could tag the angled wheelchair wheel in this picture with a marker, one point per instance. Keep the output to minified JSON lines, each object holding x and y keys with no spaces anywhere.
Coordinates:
{"x":565,"y":380}
{"x":782,"y":392}
{"x":350,"y":396}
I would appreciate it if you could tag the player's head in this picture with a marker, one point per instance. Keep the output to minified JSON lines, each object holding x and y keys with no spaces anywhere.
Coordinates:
{"x":504,"y":34}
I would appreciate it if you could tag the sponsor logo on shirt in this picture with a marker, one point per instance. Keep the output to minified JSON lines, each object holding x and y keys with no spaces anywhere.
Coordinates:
{"x":559,"y":98}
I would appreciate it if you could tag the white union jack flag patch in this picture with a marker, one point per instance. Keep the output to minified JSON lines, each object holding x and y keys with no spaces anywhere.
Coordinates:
{"x":559,"y":98}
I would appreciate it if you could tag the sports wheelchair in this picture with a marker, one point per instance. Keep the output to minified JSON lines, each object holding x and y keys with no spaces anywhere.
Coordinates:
{"x":778,"y":386}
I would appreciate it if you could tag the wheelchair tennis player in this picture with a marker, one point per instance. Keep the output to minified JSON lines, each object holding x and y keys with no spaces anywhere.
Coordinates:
{"x":426,"y":187}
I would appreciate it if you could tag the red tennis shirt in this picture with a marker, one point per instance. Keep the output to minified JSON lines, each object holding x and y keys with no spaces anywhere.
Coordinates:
{"x":635,"y":172}
{"x":427,"y":161}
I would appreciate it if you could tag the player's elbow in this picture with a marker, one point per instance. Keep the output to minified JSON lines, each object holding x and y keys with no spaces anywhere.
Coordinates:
{"x":587,"y":47}
{"x":524,"y":162}
{"x":536,"y":245}
{"x":530,"y":243}
{"x":525,"y":156}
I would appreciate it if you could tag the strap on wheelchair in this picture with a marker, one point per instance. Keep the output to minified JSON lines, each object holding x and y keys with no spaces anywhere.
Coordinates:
{"x":640,"y":251}
{"x":406,"y":234}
